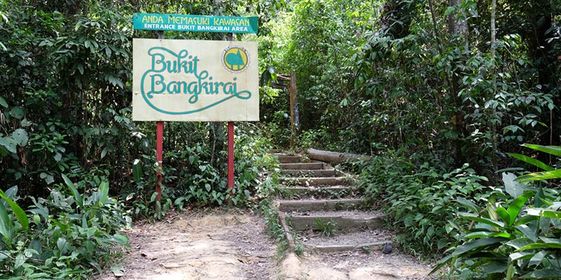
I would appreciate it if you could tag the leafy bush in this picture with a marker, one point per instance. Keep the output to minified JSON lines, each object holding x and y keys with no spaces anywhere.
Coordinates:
{"x":507,"y":242}
{"x":421,"y":200}
{"x":196,"y":176}
{"x":516,"y":237}
{"x":66,"y":235}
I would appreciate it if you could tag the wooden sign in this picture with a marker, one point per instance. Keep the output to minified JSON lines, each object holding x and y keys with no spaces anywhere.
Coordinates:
{"x":194,"y":80}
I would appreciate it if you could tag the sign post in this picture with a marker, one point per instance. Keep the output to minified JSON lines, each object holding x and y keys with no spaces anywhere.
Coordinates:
{"x":231,"y":156}
{"x":195,"y":80}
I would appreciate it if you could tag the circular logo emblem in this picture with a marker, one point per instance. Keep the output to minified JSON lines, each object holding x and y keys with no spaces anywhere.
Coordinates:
{"x":235,"y":59}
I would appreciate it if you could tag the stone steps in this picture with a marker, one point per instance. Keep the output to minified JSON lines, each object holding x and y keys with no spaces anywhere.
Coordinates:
{"x":339,"y":220}
{"x":302,"y":166}
{"x":324,"y":191}
{"x":366,"y":241}
{"x":289,"y":158}
{"x":323,"y":210}
{"x":319,"y":204}
{"x":316,"y":181}
{"x":310,"y":173}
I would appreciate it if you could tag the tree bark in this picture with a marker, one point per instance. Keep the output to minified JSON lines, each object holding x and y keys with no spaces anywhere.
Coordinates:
{"x":334,"y":157}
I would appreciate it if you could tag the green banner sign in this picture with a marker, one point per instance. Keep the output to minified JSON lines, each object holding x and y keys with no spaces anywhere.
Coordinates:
{"x":195,"y":23}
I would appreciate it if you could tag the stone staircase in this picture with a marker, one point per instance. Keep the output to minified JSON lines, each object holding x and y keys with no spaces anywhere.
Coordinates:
{"x":322,"y":210}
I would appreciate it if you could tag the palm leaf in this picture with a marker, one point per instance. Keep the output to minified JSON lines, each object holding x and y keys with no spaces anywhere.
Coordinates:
{"x":552,"y":150}
{"x":535,"y":162}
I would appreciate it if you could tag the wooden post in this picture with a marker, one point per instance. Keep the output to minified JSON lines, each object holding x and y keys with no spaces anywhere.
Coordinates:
{"x":230,"y":37}
{"x":231,"y":156}
{"x":159,"y":157}
{"x":294,"y":114}
{"x":159,"y":148}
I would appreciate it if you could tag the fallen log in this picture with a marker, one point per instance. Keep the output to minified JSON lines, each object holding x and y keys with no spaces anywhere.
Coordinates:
{"x":334,"y":157}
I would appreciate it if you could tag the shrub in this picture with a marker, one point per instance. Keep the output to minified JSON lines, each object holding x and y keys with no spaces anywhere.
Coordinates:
{"x":513,"y":237}
{"x":421,"y":201}
{"x":65,"y":236}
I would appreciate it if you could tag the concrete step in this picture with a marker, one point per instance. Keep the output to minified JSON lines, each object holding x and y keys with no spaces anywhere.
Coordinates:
{"x":365,"y":241}
{"x":302,"y":166}
{"x":310,"y":173}
{"x":316,"y":181}
{"x":338,"y":220}
{"x":319,"y":204}
{"x":326,"y":191}
{"x":289,"y":158}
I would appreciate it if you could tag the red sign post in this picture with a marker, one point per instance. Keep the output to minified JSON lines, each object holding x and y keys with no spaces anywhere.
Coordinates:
{"x":159,"y":158}
{"x":231,"y":156}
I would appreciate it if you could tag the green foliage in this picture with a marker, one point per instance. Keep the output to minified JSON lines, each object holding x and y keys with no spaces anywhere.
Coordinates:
{"x":396,"y":74}
{"x":421,"y":200}
{"x":197,"y":176}
{"x":326,"y":228}
{"x":66,"y":235}
{"x":511,"y":238}
{"x":507,"y":242}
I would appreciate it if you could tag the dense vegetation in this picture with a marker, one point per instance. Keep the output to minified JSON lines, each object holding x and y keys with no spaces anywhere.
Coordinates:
{"x":65,"y":72}
{"x":441,"y":93}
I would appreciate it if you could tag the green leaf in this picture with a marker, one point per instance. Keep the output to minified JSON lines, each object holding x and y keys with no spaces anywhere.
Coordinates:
{"x":537,"y":258}
{"x":476,"y":244}
{"x":540,"y":176}
{"x":546,"y":213}
{"x":3,"y":102}
{"x":518,"y":243}
{"x":543,"y":274}
{"x":137,"y":170}
{"x":540,"y":245}
{"x":516,"y":206}
{"x":552,"y":150}
{"x":17,"y":112}
{"x":20,"y":136}
{"x":479,"y":234}
{"x":62,"y":245}
{"x":20,"y":260}
{"x":483,"y":220}
{"x":467,"y":204}
{"x":9,"y":144}
{"x":510,"y":272}
{"x":75,"y":193}
{"x":103,"y":192}
{"x":532,"y":161}
{"x":20,"y":214}
{"x":518,"y":255}
{"x":6,"y":224}
{"x":493,"y":267}
{"x":505,"y":216}
{"x":528,"y":232}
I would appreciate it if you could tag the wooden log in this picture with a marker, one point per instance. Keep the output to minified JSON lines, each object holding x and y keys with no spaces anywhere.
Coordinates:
{"x":334,"y":157}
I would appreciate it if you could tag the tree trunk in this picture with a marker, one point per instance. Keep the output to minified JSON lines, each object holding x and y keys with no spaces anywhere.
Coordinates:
{"x":457,"y":28}
{"x":334,"y":157}
{"x":457,"y":25}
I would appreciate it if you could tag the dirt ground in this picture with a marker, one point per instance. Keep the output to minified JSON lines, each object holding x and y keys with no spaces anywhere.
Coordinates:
{"x":364,"y":266}
{"x":205,"y":244}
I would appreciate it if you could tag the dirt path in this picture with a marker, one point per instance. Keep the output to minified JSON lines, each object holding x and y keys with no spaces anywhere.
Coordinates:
{"x":364,"y":266}
{"x":205,"y":244}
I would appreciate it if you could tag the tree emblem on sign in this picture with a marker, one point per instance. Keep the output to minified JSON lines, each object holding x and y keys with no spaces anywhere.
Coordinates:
{"x":235,"y":59}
